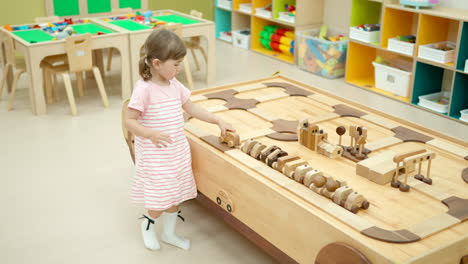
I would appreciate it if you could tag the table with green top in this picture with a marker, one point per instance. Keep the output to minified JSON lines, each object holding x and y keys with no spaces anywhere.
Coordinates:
{"x":36,"y":44}
{"x":191,"y":27}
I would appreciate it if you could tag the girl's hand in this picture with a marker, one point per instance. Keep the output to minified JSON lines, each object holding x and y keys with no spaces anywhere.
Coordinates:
{"x":223,"y":126}
{"x":160,"y":139}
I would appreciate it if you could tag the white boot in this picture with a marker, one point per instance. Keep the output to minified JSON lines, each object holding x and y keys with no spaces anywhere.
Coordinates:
{"x":168,"y":235}
{"x":148,"y":232}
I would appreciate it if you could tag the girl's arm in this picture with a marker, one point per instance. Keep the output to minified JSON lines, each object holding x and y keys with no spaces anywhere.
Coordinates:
{"x":131,"y":123}
{"x":200,"y":113}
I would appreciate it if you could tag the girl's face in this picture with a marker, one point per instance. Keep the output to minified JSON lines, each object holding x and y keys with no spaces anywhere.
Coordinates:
{"x":169,"y":69}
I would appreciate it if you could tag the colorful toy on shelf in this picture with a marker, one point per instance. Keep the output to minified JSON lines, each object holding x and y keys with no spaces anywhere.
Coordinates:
{"x":322,"y":53}
{"x":419,"y":3}
{"x":290,"y":8}
{"x":277,"y":39}
{"x":369,"y":27}
{"x":407,"y":38}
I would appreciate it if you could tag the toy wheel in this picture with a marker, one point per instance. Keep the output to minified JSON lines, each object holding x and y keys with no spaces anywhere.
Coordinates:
{"x":395,"y":184}
{"x":427,"y":180}
{"x":418,"y":177}
{"x":229,"y":208}
{"x":365,"y":205}
{"x":404,"y":187}
{"x":218,"y":200}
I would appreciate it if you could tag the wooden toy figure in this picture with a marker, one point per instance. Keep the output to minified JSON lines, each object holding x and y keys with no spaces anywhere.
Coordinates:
{"x":352,"y":133}
{"x":341,"y":130}
{"x":397,"y":159}
{"x":230,"y":138}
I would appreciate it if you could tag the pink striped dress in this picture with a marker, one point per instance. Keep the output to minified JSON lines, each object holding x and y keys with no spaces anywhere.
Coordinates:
{"x":163,"y":176}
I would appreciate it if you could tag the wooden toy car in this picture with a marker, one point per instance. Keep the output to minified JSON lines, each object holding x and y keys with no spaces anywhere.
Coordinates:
{"x":230,"y":138}
{"x":224,"y":201}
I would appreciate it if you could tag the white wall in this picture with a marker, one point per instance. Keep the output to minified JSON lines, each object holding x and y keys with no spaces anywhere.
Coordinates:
{"x":455,"y":3}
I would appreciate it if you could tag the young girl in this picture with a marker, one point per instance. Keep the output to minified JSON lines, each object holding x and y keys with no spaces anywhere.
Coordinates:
{"x":164,"y":177}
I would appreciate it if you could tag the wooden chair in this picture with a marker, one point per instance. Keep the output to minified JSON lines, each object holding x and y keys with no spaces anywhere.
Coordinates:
{"x":17,"y":67}
{"x":129,"y":136}
{"x":79,"y":55}
{"x":116,"y":12}
{"x":194,"y":42}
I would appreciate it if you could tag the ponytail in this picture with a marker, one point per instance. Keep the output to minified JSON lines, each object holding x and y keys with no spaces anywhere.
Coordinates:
{"x":144,"y":69}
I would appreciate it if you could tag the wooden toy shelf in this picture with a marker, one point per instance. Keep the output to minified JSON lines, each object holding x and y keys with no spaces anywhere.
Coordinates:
{"x":428,"y":76}
{"x":308,"y":12}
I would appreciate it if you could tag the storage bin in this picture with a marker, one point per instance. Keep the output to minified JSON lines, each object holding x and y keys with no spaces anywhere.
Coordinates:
{"x":286,"y":16}
{"x":364,"y":36}
{"x":464,"y":115}
{"x":419,"y":3}
{"x":391,"y":79}
{"x":241,"y":38}
{"x":430,"y":53}
{"x":263,"y":12}
{"x":322,"y":57}
{"x":436,"y":102}
{"x":226,"y":4}
{"x":246,"y":8}
{"x":226,"y":36}
{"x":401,"y":46}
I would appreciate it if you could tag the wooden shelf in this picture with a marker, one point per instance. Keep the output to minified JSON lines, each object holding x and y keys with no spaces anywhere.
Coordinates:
{"x":448,"y":66}
{"x":274,"y":54}
{"x":368,"y":84}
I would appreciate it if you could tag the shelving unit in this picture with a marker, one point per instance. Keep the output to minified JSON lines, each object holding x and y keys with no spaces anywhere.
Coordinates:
{"x":427,"y":76}
{"x":308,"y":13}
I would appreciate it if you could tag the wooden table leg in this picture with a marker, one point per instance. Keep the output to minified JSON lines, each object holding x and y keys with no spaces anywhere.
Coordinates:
{"x":211,"y":62}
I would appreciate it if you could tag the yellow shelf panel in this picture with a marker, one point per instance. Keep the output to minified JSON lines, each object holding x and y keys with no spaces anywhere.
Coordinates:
{"x":275,"y":54}
{"x":398,"y":22}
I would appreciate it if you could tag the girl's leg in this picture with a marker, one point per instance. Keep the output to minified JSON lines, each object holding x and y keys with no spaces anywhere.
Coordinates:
{"x":169,"y":224}
{"x":148,"y":230}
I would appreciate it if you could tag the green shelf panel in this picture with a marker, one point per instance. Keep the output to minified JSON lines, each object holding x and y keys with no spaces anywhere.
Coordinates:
{"x":176,"y":19}
{"x":463,"y":51}
{"x":66,"y":7}
{"x":99,"y":6}
{"x":222,"y":21}
{"x":134,"y":4}
{"x":459,"y":95}
{"x":365,"y":12}
{"x":89,"y":28}
{"x":33,"y":36}
{"x":129,"y":25}
{"x":428,"y":79}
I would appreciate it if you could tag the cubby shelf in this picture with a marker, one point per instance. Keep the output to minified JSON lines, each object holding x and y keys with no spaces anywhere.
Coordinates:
{"x":427,"y":76}
{"x":308,"y":13}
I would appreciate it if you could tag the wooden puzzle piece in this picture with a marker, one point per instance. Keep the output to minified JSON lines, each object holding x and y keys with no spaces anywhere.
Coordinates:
{"x":309,"y":177}
{"x":273,"y":157}
{"x":409,"y":135}
{"x":248,"y":145}
{"x":356,"y":201}
{"x":256,"y":150}
{"x":283,"y":160}
{"x":267,"y":151}
{"x":301,"y":171}
{"x":344,"y":110}
{"x":291,"y":166}
{"x":341,"y":194}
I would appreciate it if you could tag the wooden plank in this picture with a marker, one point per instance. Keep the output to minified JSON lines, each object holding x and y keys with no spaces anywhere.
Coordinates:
{"x":256,"y":134}
{"x":324,"y":99}
{"x":381,"y":121}
{"x":198,"y":98}
{"x":250,"y":87}
{"x":217,"y":108}
{"x":263,"y":114}
{"x":322,"y":118}
{"x":195,"y":130}
{"x":433,"y":225}
{"x":449,"y":147}
{"x":428,"y":190}
{"x":383,"y":143}
{"x":271,"y":97}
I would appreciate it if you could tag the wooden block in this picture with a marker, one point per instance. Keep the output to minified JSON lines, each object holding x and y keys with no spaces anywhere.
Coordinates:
{"x":263,"y":114}
{"x":433,"y":225}
{"x":198,"y":98}
{"x":309,"y":177}
{"x":267,"y":151}
{"x":283,"y":160}
{"x":381,"y":121}
{"x":363,"y":167}
{"x":249,"y":87}
{"x":217,"y":109}
{"x":449,"y":147}
{"x":271,"y":97}
{"x":300,"y":172}
{"x":291,"y":166}
{"x":255,"y":152}
{"x":341,"y":194}
{"x":383,"y":143}
{"x":429,"y":190}
{"x":195,"y":130}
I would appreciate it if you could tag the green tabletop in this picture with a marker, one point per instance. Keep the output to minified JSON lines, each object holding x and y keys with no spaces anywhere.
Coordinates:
{"x":89,"y":28}
{"x":33,"y":35}
{"x":176,"y":19}
{"x":129,"y":25}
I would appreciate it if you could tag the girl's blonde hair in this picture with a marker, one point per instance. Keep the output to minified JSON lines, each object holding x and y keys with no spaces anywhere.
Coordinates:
{"x":161,"y":44}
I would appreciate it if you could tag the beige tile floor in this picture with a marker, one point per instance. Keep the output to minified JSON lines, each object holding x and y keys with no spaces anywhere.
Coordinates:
{"x":64,"y":180}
